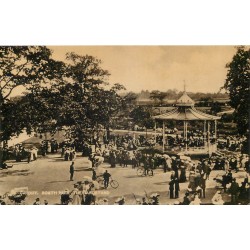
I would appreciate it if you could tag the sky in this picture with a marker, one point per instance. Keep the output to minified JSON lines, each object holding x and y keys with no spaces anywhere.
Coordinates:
{"x":201,"y":68}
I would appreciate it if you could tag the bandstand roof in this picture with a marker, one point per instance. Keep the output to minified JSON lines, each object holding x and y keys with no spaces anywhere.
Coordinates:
{"x":185,"y":100}
{"x":184,"y":111}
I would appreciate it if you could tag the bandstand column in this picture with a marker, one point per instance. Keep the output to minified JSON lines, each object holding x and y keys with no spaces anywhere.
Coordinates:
{"x":186,"y":134}
{"x":208,"y":136}
{"x":205,"y":133}
{"x":163,"y":136}
{"x":215,"y":134}
{"x":215,"y":130}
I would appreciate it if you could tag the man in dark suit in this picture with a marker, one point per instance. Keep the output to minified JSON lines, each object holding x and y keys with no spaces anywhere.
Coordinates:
{"x":176,"y":188}
{"x":72,"y":170}
{"x":234,"y":190}
{"x":171,"y":189}
{"x":106,"y":177}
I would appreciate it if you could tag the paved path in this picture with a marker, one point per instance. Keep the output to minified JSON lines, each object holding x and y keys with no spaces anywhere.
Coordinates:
{"x":48,"y":176}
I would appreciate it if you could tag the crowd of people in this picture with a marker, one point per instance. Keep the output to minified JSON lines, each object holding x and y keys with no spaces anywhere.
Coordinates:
{"x":232,"y":143}
{"x":49,"y":146}
{"x":126,"y":150}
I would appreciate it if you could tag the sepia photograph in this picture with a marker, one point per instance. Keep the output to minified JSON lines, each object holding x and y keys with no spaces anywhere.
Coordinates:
{"x":124,"y":125}
{"x":108,"y":103}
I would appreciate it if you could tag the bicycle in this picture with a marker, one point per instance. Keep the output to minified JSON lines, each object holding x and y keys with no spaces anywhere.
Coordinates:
{"x":113,"y":183}
{"x":144,"y":172}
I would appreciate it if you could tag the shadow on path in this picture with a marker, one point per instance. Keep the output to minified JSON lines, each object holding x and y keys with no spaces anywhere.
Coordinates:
{"x":161,"y":183}
{"x":133,"y":176}
{"x":24,"y":172}
{"x":57,"y":181}
{"x":58,"y":159}
{"x":82,"y":169}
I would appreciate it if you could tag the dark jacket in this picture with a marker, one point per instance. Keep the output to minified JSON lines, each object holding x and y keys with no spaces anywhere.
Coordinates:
{"x":106,"y":176}
{"x":176,"y":186}
{"x":171,"y":185}
{"x":234,"y":189}
{"x":71,"y":168}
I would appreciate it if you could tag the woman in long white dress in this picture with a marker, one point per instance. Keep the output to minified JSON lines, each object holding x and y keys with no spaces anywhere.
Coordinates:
{"x":196,"y":200}
{"x":75,"y":194}
{"x":217,"y":199}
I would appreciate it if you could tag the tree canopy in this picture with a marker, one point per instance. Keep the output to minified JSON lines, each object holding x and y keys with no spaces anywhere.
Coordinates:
{"x":158,"y":96}
{"x":33,"y":68}
{"x":142,"y":117}
{"x":30,"y":66}
{"x":73,"y":94}
{"x":237,"y":84}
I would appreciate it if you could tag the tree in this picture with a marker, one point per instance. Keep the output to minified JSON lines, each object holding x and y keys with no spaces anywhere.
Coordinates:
{"x":205,"y":102}
{"x":93,"y":105}
{"x":86,"y":71}
{"x":129,"y":102}
{"x":215,"y":108}
{"x":159,"y":96}
{"x":105,"y":106}
{"x":142,"y":117}
{"x":26,"y":66}
{"x":31,"y":67}
{"x":84,"y":102}
{"x":237,"y":84}
{"x":24,"y":113}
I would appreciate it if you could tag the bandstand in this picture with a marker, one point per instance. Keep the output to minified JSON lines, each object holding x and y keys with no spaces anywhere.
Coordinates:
{"x":185,"y":112}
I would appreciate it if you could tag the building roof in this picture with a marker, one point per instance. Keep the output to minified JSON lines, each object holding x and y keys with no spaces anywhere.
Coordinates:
{"x":186,"y":114}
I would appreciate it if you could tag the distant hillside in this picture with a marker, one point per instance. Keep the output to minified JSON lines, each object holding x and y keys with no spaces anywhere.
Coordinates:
{"x":143,"y":98}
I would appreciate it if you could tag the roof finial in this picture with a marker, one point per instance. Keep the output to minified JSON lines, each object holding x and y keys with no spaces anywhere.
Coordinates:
{"x":184,"y":85}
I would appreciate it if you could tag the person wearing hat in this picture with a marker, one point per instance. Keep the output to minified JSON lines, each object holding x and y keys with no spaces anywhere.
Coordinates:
{"x":192,"y":185}
{"x":75,"y":195}
{"x":183,"y":177}
{"x":65,"y":197}
{"x":155,"y":199}
{"x":199,"y":167}
{"x":37,"y":202}
{"x":172,"y":176}
{"x":175,"y":168}
{"x":227,"y":178}
{"x":186,"y":200}
{"x":233,"y":164}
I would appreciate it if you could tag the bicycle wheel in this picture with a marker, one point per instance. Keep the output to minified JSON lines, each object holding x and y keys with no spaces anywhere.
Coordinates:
{"x":140,"y":171}
{"x":114,"y":184}
{"x":150,"y":173}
